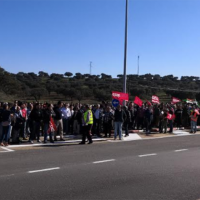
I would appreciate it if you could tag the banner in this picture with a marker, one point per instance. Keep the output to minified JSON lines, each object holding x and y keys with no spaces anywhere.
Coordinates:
{"x":120,"y":96}
{"x":138,"y":101}
{"x":191,"y":101}
{"x":170,"y":116}
{"x":148,"y":103}
{"x":175,"y":100}
{"x":155,"y":99}
{"x":52,"y":126}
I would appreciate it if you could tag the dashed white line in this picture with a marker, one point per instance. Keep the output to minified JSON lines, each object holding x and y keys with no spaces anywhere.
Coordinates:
{"x":145,"y":155}
{"x":2,"y":176}
{"x":8,"y":150}
{"x":103,"y":161}
{"x":179,"y":150}
{"x":43,"y":170}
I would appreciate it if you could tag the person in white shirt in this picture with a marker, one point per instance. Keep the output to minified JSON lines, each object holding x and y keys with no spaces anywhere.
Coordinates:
{"x":65,"y":117}
{"x":70,"y":118}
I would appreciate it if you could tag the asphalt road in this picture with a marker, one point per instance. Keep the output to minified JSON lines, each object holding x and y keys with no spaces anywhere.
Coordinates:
{"x":137,"y":170}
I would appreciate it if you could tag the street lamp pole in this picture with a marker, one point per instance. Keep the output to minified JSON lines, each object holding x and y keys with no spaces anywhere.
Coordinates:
{"x":125,"y":48}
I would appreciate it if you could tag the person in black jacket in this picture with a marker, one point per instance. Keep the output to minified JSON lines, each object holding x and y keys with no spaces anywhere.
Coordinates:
{"x":6,"y":124}
{"x":119,"y":118}
{"x":76,"y":119}
{"x":107,"y":121}
{"x":127,"y":121}
{"x":36,"y":117}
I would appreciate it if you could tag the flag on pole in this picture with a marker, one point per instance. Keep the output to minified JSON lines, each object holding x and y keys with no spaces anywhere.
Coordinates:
{"x":175,"y":100}
{"x":138,"y":101}
{"x":148,"y":103}
{"x":52,"y":126}
{"x":155,"y":99}
{"x":170,"y":116}
{"x":196,"y":111}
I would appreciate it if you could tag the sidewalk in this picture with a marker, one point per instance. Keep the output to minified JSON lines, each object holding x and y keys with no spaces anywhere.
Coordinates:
{"x":133,"y":135}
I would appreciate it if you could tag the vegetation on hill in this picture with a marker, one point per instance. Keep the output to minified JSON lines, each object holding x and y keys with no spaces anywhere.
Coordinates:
{"x":79,"y":87}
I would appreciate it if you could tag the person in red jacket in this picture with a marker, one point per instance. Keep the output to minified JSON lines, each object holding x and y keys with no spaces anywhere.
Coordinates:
{"x":193,"y":120}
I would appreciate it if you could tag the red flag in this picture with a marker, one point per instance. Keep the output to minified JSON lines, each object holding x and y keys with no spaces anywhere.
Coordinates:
{"x":148,"y":103}
{"x":175,"y":100}
{"x":120,"y":96}
{"x":170,"y":116}
{"x":138,"y":101}
{"x":52,"y":126}
{"x":155,"y":99}
{"x":196,"y":111}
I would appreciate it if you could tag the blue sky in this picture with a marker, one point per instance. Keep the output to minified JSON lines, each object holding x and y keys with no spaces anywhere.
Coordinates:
{"x":58,"y":36}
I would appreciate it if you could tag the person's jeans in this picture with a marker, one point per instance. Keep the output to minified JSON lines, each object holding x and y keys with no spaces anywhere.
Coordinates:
{"x":46,"y":128}
{"x":65,"y":126}
{"x":118,"y":129}
{"x":5,"y":134}
{"x":193,"y":126}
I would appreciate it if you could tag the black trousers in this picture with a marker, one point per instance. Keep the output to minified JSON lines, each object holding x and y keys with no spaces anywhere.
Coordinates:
{"x":107,"y":128}
{"x":86,"y":133}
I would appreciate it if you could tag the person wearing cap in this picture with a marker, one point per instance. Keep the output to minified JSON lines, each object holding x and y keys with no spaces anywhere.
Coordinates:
{"x":87,"y":123}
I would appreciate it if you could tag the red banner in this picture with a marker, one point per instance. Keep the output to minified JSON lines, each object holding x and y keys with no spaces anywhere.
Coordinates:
{"x":52,"y":126}
{"x":170,"y":116}
{"x":175,"y":100}
{"x":120,"y":96}
{"x":155,"y":99}
{"x":138,"y":101}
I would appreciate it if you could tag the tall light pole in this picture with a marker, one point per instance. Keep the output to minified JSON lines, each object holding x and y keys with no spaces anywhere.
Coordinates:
{"x":90,"y":68}
{"x":125,"y":48}
{"x":138,"y":65}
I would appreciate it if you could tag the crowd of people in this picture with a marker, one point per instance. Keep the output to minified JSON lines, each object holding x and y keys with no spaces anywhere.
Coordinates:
{"x":29,"y":121}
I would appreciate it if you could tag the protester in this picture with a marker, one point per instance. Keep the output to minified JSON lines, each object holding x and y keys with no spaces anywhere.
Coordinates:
{"x":58,"y":121}
{"x":6,"y":124}
{"x":108,"y":121}
{"x":148,"y":119}
{"x":119,"y":118}
{"x":36,"y":117}
{"x":193,"y":117}
{"x":87,"y":123}
{"x":97,"y":120}
{"x":76,"y":119}
{"x":127,"y":120}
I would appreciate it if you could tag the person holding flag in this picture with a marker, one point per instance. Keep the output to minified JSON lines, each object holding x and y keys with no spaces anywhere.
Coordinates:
{"x":171,"y":117}
{"x":49,"y":125}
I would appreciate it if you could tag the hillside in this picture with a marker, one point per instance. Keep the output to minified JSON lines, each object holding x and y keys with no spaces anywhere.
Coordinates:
{"x":92,"y":88}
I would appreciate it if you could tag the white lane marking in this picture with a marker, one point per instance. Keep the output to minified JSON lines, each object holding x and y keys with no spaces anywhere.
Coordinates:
{"x":43,"y":170}
{"x":8,"y":150}
{"x":145,"y":155}
{"x":103,"y":161}
{"x":181,"y":150}
{"x":6,"y":175}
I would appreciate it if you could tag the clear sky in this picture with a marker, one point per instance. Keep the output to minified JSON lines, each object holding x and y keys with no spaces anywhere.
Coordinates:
{"x":58,"y":36}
